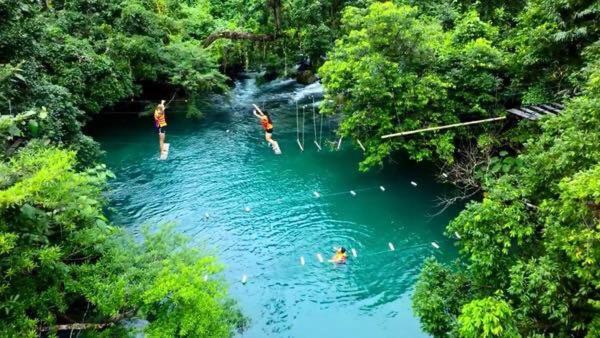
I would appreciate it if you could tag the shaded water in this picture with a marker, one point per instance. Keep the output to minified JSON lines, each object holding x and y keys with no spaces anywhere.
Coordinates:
{"x":222,"y":166}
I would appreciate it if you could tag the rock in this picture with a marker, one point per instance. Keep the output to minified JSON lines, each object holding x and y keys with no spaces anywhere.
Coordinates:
{"x":306,"y":77}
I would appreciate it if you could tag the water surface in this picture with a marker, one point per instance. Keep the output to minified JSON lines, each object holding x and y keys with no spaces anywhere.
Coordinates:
{"x":263,"y":214}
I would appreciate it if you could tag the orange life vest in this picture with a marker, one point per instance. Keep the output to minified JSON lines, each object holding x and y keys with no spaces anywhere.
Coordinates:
{"x":339,"y":257}
{"x":265,"y":123}
{"x":159,"y":119}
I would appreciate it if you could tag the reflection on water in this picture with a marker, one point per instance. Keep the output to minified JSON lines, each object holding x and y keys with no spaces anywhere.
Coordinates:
{"x":221,"y":166}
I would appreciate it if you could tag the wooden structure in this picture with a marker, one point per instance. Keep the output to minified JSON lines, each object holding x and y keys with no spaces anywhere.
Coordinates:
{"x":538,"y":111}
{"x":528,"y":112}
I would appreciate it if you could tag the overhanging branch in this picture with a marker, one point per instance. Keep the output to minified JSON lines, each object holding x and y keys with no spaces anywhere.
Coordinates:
{"x":236,"y":35}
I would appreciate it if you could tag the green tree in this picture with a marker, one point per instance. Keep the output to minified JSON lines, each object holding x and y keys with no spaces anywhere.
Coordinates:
{"x":395,"y":68}
{"x":62,"y":262}
{"x":487,"y":317}
{"x":535,"y":236}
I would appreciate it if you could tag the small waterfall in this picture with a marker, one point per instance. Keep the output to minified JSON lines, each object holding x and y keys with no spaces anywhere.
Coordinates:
{"x":314,"y":89}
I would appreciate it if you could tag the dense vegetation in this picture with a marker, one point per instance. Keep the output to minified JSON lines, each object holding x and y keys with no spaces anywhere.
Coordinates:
{"x":529,"y":250}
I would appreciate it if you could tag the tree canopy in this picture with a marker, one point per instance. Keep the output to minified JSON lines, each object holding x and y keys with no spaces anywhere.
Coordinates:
{"x":529,"y":250}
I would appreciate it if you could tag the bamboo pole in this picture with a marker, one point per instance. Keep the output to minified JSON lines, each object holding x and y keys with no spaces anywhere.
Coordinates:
{"x":443,"y":127}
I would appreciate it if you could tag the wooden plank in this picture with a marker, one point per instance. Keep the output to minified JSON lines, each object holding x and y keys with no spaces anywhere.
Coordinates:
{"x":531,"y":112}
{"x":361,"y":145}
{"x":443,"y":127}
{"x":550,"y":108}
{"x":542,"y":111}
{"x":318,"y":145}
{"x":521,"y":114}
{"x":300,"y":145}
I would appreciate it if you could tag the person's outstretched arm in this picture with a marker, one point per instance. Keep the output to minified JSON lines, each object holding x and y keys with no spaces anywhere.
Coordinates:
{"x":257,"y":114}
{"x":258,"y":109}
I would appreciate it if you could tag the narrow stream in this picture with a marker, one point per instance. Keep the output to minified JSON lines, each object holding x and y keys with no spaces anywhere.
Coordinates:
{"x":263,"y":214}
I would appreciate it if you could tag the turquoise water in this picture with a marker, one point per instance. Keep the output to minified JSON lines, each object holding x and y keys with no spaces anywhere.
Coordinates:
{"x":263,"y":214}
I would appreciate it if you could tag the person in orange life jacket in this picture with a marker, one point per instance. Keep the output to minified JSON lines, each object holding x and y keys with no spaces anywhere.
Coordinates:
{"x":340,"y":256}
{"x":160,"y":122}
{"x":267,"y":124}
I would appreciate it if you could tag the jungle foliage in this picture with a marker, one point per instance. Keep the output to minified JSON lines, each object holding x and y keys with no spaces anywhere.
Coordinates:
{"x":401,"y":66}
{"x":63,"y":263}
{"x":529,"y":250}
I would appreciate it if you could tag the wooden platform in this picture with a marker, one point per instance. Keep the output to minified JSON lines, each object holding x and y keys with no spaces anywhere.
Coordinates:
{"x":537,"y":112}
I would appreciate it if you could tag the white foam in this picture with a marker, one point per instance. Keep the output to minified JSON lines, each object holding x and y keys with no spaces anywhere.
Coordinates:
{"x":320,"y":258}
{"x":313,"y":89}
{"x":457,"y":235}
{"x":247,"y":209}
{"x":302,"y":262}
{"x":317,"y":195}
{"x":435,"y":245}
{"x":354,"y":253}
{"x":391,"y":246}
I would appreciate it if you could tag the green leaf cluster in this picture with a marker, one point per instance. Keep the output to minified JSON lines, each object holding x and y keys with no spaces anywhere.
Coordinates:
{"x":396,"y":68}
{"x":62,"y":262}
{"x":530,"y":249}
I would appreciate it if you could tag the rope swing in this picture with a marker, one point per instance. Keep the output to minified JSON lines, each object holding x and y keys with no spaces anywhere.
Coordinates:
{"x":300,"y":144}
{"x":317,"y":140}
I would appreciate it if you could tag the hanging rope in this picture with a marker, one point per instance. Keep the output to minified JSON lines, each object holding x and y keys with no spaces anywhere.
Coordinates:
{"x":298,"y":128}
{"x":321,"y":131}
{"x":303,"y":119}
{"x":315,"y":124}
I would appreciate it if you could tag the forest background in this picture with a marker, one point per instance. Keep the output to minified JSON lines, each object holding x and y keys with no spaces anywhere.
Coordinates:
{"x":529,"y":237}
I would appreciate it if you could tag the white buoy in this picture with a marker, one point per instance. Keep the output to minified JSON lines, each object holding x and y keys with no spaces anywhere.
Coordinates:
{"x":316,"y":193}
{"x":352,"y":192}
{"x":354,"y":253}
{"x":457,"y":235}
{"x":414,"y":184}
{"x":247,"y":209}
{"x":244,"y":279}
{"x":435,"y":245}
{"x":392,"y":248}
{"x":382,"y":188}
{"x":320,"y":258}
{"x":302,"y":262}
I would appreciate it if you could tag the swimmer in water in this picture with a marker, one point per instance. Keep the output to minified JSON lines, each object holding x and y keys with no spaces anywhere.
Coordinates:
{"x":340,"y":256}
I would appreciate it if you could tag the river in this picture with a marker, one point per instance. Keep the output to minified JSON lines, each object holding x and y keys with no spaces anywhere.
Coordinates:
{"x":263,"y":214}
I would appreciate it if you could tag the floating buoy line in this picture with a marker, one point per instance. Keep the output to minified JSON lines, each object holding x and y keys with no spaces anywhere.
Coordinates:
{"x":353,"y":251}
